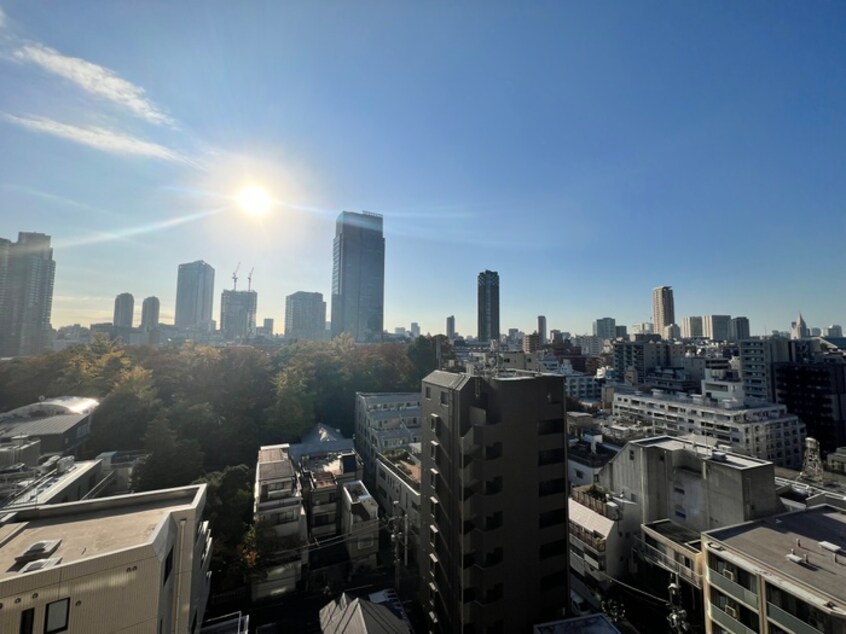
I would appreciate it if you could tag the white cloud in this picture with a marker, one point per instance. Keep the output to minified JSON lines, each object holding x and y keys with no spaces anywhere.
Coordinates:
{"x":94,"y":79}
{"x":100,"y":138}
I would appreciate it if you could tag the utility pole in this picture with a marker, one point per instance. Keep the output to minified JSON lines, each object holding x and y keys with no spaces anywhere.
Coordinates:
{"x":678,"y":615}
{"x":396,"y":538}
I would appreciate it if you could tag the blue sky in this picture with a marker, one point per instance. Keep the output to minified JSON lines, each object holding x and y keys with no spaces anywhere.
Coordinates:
{"x":587,"y":151}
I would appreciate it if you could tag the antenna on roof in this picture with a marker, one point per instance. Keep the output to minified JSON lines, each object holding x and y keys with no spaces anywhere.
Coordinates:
{"x":235,"y":277}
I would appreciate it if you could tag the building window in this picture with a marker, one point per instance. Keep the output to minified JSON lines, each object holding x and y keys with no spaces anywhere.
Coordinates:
{"x":168,"y":567}
{"x":444,"y":398}
{"x":428,"y":392}
{"x":27,"y":621}
{"x":56,"y":616}
{"x":580,"y":474}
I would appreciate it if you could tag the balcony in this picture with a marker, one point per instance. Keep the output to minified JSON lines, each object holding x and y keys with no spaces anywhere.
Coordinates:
{"x":482,"y":541}
{"x":482,"y":577}
{"x":787,"y":621}
{"x":480,"y":435}
{"x":734,"y":590}
{"x":480,"y":504}
{"x":663,"y":560}
{"x":728,"y":623}
{"x":480,"y":469}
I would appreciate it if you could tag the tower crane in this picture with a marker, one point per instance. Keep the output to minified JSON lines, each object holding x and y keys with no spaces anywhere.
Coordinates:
{"x":235,"y":277}
{"x":250,"y":279}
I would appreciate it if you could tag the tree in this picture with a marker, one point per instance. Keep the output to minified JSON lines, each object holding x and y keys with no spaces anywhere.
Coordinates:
{"x":171,"y":462}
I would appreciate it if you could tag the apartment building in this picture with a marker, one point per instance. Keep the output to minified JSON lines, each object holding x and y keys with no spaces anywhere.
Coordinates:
{"x":780,"y":574}
{"x":757,"y":357}
{"x":760,"y":429}
{"x":635,"y":359}
{"x":62,"y":424}
{"x":398,"y":476}
{"x":494,"y":502}
{"x":134,"y":563}
{"x":385,"y":421}
{"x":360,"y":524}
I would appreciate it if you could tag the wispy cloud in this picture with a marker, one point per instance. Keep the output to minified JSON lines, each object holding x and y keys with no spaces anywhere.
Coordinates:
{"x":94,"y":79}
{"x":100,"y":138}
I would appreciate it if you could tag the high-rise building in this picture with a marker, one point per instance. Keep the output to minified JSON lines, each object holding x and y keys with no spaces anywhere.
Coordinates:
{"x":692,"y":328}
{"x":238,"y":314}
{"x":358,"y":276}
{"x":832,"y":331}
{"x":605,"y":328}
{"x":757,"y":357}
{"x":415,"y":329}
{"x":494,"y":502}
{"x":739,"y":328}
{"x":27,"y":271}
{"x":305,"y":316}
{"x":150,"y":313}
{"x":815,"y":390}
{"x":268,"y":325}
{"x":488,"y":305}
{"x":799,"y":329}
{"x":194,"y":296}
{"x":716,"y":327}
{"x":663,"y":308}
{"x":621,"y":331}
{"x":450,"y":327}
{"x":124,"y":311}
{"x":542,"y":330}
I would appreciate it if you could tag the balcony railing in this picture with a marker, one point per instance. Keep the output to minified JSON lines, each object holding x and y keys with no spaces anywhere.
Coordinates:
{"x":661,"y":559}
{"x":732,"y":589}
{"x":728,"y":623}
{"x":785,"y":620}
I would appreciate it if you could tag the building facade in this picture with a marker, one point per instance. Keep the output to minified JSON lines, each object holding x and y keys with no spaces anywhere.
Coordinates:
{"x":739,"y":329}
{"x":194,"y":296}
{"x":692,"y":328}
{"x":605,"y":328}
{"x":757,"y":372}
{"x":488,"y":306}
{"x":150,"y":313}
{"x":238,"y":315}
{"x":385,"y":421}
{"x":358,"y":276}
{"x":663,"y":308}
{"x":27,"y":271}
{"x":716,"y":327}
{"x":494,"y":547}
{"x":124,"y":311}
{"x":450,"y":327}
{"x":305,"y":316}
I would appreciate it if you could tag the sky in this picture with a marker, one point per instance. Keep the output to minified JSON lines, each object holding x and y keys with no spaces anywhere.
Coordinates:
{"x":587,"y":151}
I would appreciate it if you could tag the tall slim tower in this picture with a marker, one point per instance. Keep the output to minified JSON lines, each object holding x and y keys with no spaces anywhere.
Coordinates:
{"x":194,"y":296}
{"x":124,"y":310}
{"x":27,"y":271}
{"x":450,"y":327}
{"x":488,"y":316}
{"x":542,"y":330}
{"x":358,"y":276}
{"x":494,"y":502}
{"x":305,"y":316}
{"x":663,"y":308}
{"x":150,"y":313}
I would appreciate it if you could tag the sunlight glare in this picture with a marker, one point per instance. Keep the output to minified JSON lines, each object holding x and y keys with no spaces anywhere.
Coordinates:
{"x":255,"y":201}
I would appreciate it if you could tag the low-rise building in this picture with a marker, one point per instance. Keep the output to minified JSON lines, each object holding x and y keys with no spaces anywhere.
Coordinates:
{"x":360,"y":524}
{"x":385,"y":421}
{"x":135,"y":563}
{"x":398,"y":483}
{"x":62,"y":424}
{"x":779,"y":574}
{"x":321,"y":476}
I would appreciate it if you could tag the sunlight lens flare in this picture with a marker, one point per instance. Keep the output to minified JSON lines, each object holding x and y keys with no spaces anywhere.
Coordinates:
{"x":254,"y":201}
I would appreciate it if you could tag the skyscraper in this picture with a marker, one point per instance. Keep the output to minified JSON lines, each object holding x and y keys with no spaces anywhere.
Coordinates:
{"x":542,"y":330}
{"x":488,"y":305}
{"x":358,"y":276}
{"x":716,"y":327}
{"x":305,"y":316}
{"x":663,"y":308}
{"x":124,"y":310}
{"x":450,"y":327}
{"x":27,"y":271}
{"x":494,"y":502}
{"x":238,"y":314}
{"x":150,"y":313}
{"x":194,"y":296}
{"x":605,"y":328}
{"x":739,"y":328}
{"x":692,"y":328}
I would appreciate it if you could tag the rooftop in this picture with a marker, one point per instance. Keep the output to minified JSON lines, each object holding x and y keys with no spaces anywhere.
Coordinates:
{"x":677,"y":533}
{"x":767,"y":542}
{"x":274,"y":463}
{"x":589,"y":624}
{"x":704,"y":450}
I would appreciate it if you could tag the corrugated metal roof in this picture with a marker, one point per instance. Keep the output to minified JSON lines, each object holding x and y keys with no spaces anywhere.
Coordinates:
{"x":589,"y":519}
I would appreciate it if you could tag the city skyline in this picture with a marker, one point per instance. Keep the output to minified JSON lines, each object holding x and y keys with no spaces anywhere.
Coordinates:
{"x":478,"y":155}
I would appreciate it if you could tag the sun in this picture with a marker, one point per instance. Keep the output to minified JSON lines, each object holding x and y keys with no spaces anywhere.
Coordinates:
{"x":254,"y":201}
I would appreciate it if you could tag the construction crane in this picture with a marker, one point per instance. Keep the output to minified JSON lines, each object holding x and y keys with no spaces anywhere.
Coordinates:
{"x":235,"y":277}
{"x":250,"y":279}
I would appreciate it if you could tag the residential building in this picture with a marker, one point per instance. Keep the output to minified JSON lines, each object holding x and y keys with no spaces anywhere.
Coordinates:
{"x":321,"y":475}
{"x":238,"y":315}
{"x":637,"y":358}
{"x":278,"y":506}
{"x":124,"y":311}
{"x":605,"y":328}
{"x":586,"y":456}
{"x":62,"y":424}
{"x":398,"y":474}
{"x":385,"y":421}
{"x":716,"y":327}
{"x":492,"y":519}
{"x":764,"y":430}
{"x":542,"y":330}
{"x":832,"y":331}
{"x":488,"y":306}
{"x":450,"y":327}
{"x":305,"y":316}
{"x":150,"y":313}
{"x":777,"y":574}
{"x":739,"y":329}
{"x":360,"y":524}
{"x":348,"y":614}
{"x":358,"y":276}
{"x":815,"y":391}
{"x":621,"y":331}
{"x":415,"y":330}
{"x":194,"y":296}
{"x":757,"y":359}
{"x":692,"y":328}
{"x":671,"y":332}
{"x":531,"y":343}
{"x":27,"y":271}
{"x":133,"y":563}
{"x":266,"y":328}
{"x":581,"y":386}
{"x":663,"y":308}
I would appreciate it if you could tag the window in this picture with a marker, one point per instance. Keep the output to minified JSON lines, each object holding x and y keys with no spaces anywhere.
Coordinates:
{"x":56,"y":616}
{"x":168,"y":566}
{"x":580,"y":474}
{"x":27,"y":621}
{"x":428,"y":392}
{"x":550,"y":456}
{"x":552,"y":549}
{"x":444,"y":398}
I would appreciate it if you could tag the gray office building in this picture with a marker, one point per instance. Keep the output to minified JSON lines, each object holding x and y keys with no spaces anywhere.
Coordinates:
{"x":450,"y":327}
{"x":305,"y":316}
{"x":150,"y":313}
{"x":605,"y":328}
{"x":494,"y":502}
{"x":488,"y":306}
{"x":124,"y":310}
{"x":358,"y":276}
{"x":27,"y":271}
{"x":238,"y":315}
{"x":739,"y":328}
{"x":194,"y":296}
